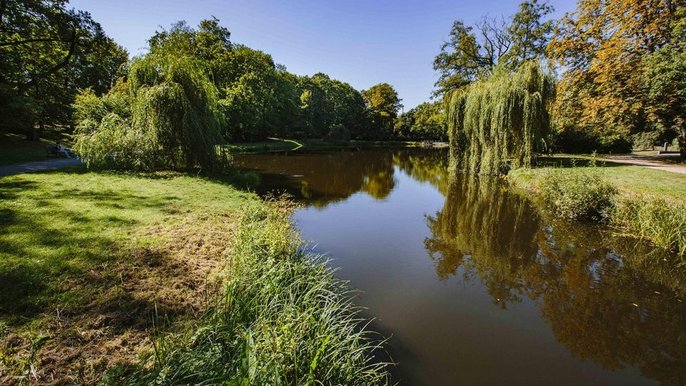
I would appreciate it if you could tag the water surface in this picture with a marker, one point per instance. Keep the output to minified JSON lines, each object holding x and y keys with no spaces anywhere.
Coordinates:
{"x":475,"y":285}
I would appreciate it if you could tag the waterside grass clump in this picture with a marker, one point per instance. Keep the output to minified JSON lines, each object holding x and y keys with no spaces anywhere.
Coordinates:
{"x":659,"y":220}
{"x":620,"y":196}
{"x":284,"y":319}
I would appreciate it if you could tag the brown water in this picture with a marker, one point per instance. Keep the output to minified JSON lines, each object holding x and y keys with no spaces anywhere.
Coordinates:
{"x":477,"y":287}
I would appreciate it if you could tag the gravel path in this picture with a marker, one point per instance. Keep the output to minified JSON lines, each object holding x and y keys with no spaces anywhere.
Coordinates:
{"x":650,"y":162}
{"x":38,"y":166}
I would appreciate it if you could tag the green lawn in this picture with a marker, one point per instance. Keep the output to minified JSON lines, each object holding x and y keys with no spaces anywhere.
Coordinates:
{"x":105,"y":257}
{"x":103,"y":275}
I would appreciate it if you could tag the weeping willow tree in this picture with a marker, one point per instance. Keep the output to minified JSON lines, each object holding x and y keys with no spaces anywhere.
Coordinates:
{"x":500,"y":122}
{"x":165,"y":115}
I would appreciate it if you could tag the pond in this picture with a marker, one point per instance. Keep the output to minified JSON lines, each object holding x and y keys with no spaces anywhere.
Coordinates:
{"x":474,"y":284}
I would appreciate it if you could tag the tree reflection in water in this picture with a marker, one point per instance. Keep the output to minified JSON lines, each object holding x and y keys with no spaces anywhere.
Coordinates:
{"x":611,"y":300}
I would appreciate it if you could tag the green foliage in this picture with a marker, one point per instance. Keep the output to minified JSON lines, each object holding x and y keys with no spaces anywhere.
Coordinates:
{"x":339,"y":133}
{"x":621,"y":67}
{"x":165,"y":116}
{"x":383,"y":104}
{"x":47,"y":53}
{"x":584,"y":196}
{"x":426,"y":121}
{"x":529,"y":33}
{"x":473,"y":53}
{"x":572,"y":139}
{"x":665,"y":74}
{"x":649,"y":204}
{"x":285,"y":320}
{"x":498,"y":123}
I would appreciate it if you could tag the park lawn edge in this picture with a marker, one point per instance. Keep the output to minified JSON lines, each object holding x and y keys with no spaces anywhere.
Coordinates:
{"x":649,"y":205}
{"x":148,"y":285}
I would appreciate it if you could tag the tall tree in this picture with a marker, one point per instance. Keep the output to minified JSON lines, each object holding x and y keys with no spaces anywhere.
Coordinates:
{"x":47,"y":53}
{"x":601,"y":46}
{"x":665,"y":75}
{"x":529,"y":32}
{"x":472,"y":53}
{"x":383,"y":104}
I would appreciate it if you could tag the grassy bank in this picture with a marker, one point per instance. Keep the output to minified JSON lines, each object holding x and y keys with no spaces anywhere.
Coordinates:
{"x":639,"y":202}
{"x":275,"y":145}
{"x":102,"y":271}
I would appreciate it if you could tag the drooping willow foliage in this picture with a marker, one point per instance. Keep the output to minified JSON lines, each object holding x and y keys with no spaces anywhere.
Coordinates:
{"x":501,"y":121}
{"x":165,"y":115}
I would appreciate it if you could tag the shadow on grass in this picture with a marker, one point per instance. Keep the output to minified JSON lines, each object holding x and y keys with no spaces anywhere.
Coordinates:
{"x":50,"y":250}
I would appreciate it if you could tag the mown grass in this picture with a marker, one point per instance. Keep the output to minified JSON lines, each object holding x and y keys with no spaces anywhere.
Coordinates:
{"x":95,"y":267}
{"x":649,"y":204}
{"x":284,"y":320}
{"x":89,"y":259}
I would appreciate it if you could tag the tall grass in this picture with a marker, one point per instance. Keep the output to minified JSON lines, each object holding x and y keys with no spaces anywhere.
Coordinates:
{"x":660,"y":221}
{"x":657,"y":217}
{"x":284,"y":320}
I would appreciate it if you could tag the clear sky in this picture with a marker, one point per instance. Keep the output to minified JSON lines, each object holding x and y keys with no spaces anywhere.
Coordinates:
{"x":356,"y":41}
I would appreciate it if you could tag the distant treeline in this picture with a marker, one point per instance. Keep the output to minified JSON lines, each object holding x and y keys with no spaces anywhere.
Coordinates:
{"x":49,"y":54}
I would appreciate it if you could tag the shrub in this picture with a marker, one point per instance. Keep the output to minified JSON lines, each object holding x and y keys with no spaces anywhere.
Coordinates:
{"x":645,"y":140}
{"x":578,"y":195}
{"x":579,"y":140}
{"x":660,"y":221}
{"x":165,"y":116}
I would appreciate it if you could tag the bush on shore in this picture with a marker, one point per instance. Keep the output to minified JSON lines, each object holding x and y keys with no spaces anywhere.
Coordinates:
{"x":284,"y":320}
{"x":584,"y":196}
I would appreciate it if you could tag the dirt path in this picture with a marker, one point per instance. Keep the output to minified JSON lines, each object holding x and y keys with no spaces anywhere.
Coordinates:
{"x":651,"y":162}
{"x":38,"y":166}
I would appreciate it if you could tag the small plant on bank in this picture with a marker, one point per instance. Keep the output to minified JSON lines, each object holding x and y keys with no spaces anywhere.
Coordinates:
{"x":583,"y":195}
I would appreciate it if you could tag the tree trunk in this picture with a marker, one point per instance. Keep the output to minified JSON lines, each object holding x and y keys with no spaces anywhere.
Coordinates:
{"x":682,"y":144}
{"x":34,"y":132}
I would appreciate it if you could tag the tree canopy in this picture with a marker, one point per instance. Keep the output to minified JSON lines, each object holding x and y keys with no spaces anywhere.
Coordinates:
{"x":473,"y":52}
{"x":500,"y":122}
{"x":603,"y":47}
{"x":48,"y":53}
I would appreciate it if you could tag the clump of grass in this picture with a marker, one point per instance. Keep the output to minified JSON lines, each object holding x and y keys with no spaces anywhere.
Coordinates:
{"x":662,"y":222}
{"x":584,"y":196}
{"x":284,"y":320}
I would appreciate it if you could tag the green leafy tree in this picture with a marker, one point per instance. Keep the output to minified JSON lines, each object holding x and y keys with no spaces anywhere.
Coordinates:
{"x":383,"y":104}
{"x":165,"y":115}
{"x":665,"y":74}
{"x":473,"y":52}
{"x":529,"y":32}
{"x":426,"y":121}
{"x":47,"y":53}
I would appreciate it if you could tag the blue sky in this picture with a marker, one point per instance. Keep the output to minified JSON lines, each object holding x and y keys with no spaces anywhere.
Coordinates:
{"x":359,"y":42}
